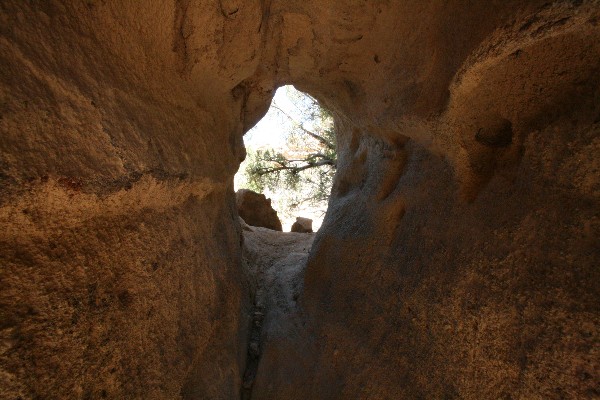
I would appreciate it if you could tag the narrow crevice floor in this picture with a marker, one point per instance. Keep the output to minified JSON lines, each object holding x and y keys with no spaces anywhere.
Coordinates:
{"x":275,"y":263}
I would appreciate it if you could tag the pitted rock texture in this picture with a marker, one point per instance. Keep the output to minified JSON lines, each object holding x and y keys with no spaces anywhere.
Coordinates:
{"x":120,"y":273}
{"x":459,"y":255}
{"x":256,"y":210}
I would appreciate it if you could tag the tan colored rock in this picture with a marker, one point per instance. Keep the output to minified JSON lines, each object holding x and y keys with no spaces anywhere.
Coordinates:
{"x":459,"y":256}
{"x":302,"y":225}
{"x":255,"y":209}
{"x":120,"y":272}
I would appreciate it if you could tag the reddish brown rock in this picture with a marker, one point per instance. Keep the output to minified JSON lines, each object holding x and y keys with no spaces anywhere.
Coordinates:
{"x":255,"y":209}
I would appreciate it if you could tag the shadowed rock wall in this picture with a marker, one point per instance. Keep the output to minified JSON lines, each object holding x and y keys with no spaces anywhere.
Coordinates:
{"x":120,"y":259}
{"x":459,"y":255}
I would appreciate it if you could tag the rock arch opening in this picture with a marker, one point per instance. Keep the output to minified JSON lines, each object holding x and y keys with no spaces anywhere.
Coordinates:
{"x":291,"y":158}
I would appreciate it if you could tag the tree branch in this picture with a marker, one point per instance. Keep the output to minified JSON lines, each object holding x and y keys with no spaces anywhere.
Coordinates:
{"x":264,"y":171}
{"x":316,"y":136}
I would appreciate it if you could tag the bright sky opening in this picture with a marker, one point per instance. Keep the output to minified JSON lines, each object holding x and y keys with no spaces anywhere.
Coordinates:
{"x":270,"y":132}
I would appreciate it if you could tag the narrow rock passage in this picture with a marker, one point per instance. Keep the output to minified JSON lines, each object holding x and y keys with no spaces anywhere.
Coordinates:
{"x":275,"y":262}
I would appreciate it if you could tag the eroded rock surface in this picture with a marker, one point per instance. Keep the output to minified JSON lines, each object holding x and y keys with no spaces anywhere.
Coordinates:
{"x":120,"y":272}
{"x":459,"y":257}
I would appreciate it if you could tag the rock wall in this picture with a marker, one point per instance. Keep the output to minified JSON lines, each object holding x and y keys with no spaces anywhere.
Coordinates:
{"x":459,"y":255}
{"x":120,"y":259}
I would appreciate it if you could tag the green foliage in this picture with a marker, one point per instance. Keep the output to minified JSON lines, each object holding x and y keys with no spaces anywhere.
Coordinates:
{"x":302,"y":171}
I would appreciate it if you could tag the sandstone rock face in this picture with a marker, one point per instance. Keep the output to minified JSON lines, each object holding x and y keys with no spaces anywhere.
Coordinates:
{"x":120,"y":272}
{"x":459,"y":256}
{"x":302,"y":225}
{"x":255,"y":209}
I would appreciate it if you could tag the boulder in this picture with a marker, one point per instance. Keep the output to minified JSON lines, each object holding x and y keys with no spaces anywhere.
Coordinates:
{"x":302,"y":225}
{"x":255,"y":209}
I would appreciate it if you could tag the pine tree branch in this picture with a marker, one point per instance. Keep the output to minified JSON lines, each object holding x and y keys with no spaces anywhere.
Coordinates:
{"x":294,"y":169}
{"x":312,"y":134}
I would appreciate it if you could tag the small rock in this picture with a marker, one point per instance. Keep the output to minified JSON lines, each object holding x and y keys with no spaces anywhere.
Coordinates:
{"x":302,"y":225}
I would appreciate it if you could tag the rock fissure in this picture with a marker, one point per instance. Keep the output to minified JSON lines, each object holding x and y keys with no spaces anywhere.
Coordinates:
{"x":254,"y":350}
{"x":275,"y":264}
